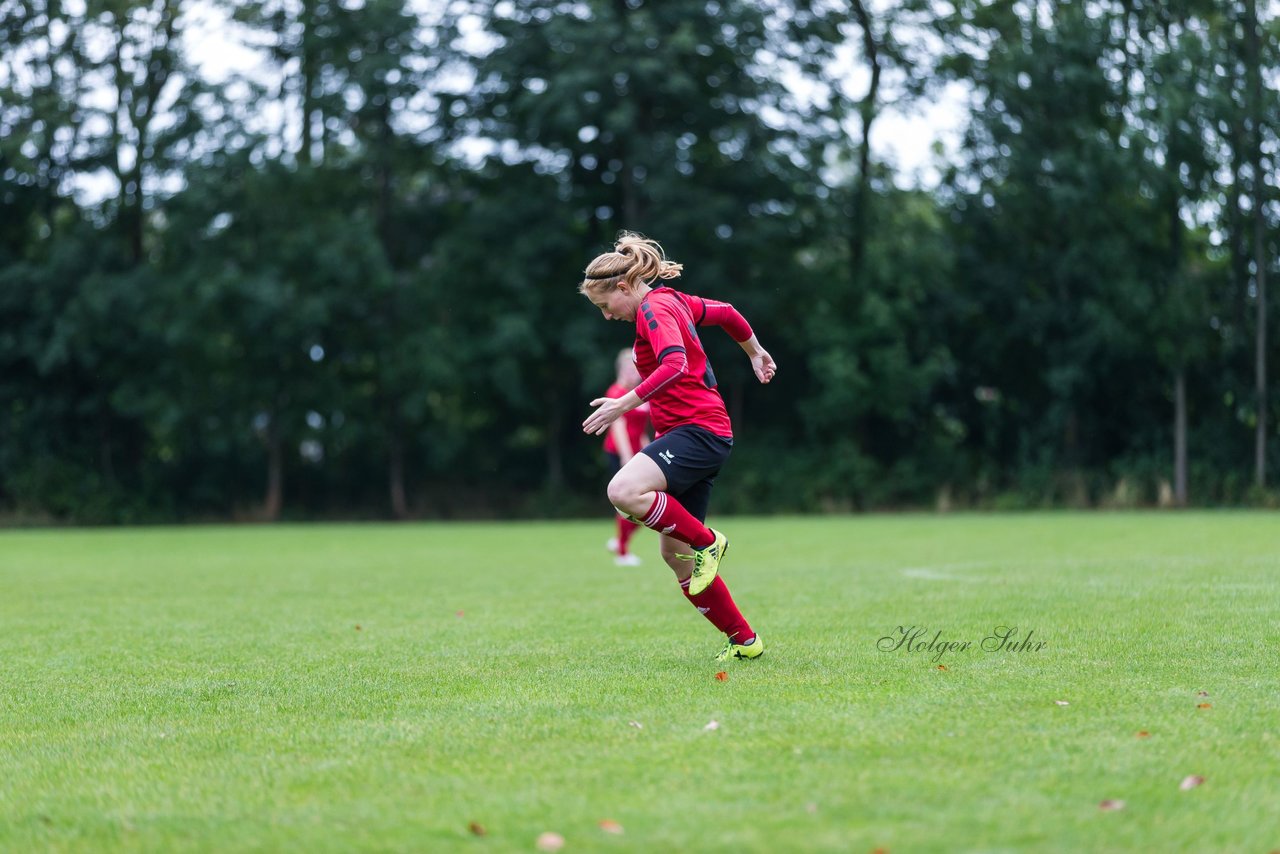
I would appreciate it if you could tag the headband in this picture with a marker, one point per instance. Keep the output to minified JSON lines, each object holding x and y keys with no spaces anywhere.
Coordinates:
{"x":604,"y":275}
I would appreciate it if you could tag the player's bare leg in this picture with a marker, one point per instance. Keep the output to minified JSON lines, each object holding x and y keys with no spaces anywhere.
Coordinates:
{"x":634,"y":488}
{"x":638,"y":490}
{"x":678,"y":555}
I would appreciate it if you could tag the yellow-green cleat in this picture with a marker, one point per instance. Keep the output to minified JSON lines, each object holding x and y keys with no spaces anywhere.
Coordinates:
{"x":706,"y":563}
{"x":754,"y":649}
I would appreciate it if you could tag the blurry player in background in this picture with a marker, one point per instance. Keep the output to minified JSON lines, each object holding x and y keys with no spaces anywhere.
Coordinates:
{"x":624,"y":440}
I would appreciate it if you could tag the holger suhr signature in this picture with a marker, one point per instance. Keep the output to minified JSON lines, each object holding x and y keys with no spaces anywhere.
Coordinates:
{"x":918,"y":640}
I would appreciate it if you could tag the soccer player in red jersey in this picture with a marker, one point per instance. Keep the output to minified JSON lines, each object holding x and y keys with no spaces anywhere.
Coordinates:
{"x":667,"y":486}
{"x":625,"y":438}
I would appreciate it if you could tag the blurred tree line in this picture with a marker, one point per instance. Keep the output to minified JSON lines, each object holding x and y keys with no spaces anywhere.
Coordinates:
{"x":345,"y":284}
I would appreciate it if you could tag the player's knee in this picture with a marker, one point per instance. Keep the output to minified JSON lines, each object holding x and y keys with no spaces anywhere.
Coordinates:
{"x":622,"y":496}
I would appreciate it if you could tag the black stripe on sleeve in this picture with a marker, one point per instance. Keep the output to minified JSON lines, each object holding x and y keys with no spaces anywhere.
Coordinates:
{"x":674,"y":348}
{"x":703,"y":316}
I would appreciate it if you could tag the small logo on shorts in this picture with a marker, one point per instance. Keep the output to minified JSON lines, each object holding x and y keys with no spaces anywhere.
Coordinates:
{"x":667,"y":456}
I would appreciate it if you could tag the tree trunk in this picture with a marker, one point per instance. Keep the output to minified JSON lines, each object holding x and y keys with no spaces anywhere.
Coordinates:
{"x":1259,"y":238}
{"x":273,"y":499}
{"x":306,"y":86}
{"x":1177,"y":281}
{"x":632,"y":208}
{"x":1235,"y":213}
{"x":399,"y":505}
{"x":106,"y":451}
{"x":1180,"y":439}
{"x":125,"y":199}
{"x":1260,"y":366}
{"x":1077,"y":493}
{"x":1239,"y":251}
{"x":867,"y":110}
{"x":384,"y":173}
{"x":555,"y":457}
{"x":138,"y":99}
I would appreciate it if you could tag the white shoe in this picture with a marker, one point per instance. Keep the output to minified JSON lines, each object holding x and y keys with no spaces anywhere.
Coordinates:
{"x":612,"y":544}
{"x":627,"y":560}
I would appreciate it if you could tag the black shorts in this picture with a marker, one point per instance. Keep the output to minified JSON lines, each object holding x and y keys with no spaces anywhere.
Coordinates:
{"x":691,"y":458}
{"x":613,"y":463}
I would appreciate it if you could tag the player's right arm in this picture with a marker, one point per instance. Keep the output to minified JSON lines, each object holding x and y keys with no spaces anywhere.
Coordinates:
{"x":609,"y":410}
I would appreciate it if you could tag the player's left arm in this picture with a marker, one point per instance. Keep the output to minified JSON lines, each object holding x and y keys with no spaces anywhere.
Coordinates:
{"x":622,"y":440}
{"x":728,"y":318}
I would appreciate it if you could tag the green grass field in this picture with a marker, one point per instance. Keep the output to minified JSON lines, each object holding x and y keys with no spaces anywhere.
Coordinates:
{"x":379,"y":687}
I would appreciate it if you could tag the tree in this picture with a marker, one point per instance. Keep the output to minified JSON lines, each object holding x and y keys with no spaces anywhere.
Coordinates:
{"x":1050,"y":215}
{"x":1257,"y":119}
{"x":1167,"y":68}
{"x":42,"y":136}
{"x":656,"y":117}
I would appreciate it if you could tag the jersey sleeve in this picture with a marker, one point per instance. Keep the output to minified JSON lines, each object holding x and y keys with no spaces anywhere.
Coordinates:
{"x":660,"y":324}
{"x":707,"y":312}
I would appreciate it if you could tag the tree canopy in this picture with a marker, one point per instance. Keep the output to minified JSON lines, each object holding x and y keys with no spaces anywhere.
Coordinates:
{"x":342,"y":283}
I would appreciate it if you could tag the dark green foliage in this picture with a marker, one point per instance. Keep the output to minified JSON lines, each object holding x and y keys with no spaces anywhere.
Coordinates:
{"x":346,"y":285}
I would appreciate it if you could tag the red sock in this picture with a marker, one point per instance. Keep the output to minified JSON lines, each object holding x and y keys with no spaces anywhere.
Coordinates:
{"x":717,"y":605}
{"x":625,"y":529}
{"x":667,"y":516}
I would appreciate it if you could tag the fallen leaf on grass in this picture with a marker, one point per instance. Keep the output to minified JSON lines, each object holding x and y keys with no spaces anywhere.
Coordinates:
{"x":1205,"y":706}
{"x":721,"y":676}
{"x":460,"y":613}
{"x":477,"y":828}
{"x":636,"y":724}
{"x":1202,"y":693}
{"x":1061,"y":703}
{"x":879,"y":851}
{"x":608,"y":825}
{"x":811,"y":808}
{"x":713,"y":725}
{"x":1142,"y":733}
{"x":1190,"y":782}
{"x":550,"y":841}
{"x":942,"y":667}
{"x":1109,"y":805}
{"x":357,"y":627}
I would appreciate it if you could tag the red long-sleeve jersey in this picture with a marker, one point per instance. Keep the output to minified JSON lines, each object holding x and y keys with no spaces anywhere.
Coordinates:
{"x":678,"y":381}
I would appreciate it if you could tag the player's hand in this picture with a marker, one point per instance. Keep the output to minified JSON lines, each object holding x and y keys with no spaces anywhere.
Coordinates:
{"x":764,"y":366}
{"x":599,"y":421}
